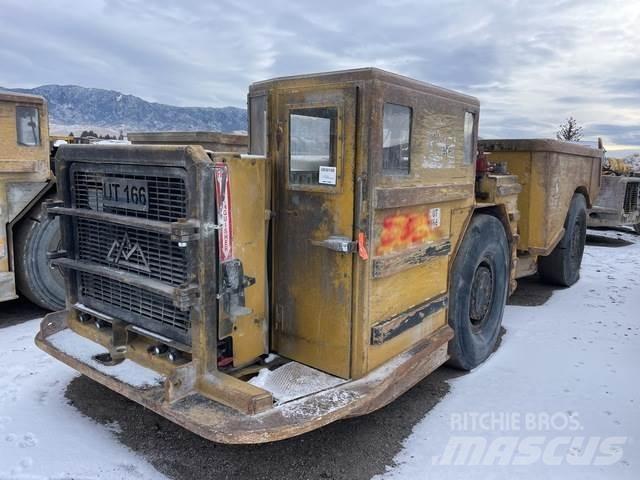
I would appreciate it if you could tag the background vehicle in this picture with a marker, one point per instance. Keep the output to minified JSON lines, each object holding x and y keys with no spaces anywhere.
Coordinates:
{"x":251,"y":298}
{"x":618,"y":203}
{"x":26,"y":232}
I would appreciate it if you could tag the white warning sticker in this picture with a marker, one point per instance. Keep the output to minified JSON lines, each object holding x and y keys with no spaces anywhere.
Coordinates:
{"x":434,"y":217}
{"x":327,"y":175}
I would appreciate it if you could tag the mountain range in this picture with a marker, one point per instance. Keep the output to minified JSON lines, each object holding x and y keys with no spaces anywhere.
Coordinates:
{"x":74,"y":109}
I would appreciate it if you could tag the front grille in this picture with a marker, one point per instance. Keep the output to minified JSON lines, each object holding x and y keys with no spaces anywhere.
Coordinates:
{"x":156,"y":311}
{"x":149,"y":254}
{"x":631,"y":198}
{"x":133,"y":250}
{"x":167,"y":195}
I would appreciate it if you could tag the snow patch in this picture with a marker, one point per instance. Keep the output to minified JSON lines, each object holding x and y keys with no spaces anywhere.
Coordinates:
{"x":84,"y":350}
{"x":271,"y":357}
{"x":41,"y":435}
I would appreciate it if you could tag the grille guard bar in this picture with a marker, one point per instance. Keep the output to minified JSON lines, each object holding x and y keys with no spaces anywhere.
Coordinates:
{"x":184,"y":231}
{"x":182,"y":297}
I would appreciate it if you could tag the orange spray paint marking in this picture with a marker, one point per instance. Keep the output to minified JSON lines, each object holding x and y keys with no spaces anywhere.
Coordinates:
{"x":362,"y":246}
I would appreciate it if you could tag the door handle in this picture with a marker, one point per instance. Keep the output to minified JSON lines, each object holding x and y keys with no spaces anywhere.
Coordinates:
{"x":337,"y":243}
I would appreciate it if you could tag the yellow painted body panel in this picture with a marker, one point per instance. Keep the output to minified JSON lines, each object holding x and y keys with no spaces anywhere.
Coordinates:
{"x":249,"y":178}
{"x":439,"y":183}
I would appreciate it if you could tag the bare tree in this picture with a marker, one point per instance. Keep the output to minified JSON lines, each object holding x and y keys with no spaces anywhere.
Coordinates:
{"x":570,"y":131}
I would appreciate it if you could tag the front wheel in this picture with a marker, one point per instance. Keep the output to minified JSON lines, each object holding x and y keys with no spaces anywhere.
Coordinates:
{"x":478,"y":292}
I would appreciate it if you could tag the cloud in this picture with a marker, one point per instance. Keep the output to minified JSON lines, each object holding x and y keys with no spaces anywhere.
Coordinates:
{"x":531,"y":64}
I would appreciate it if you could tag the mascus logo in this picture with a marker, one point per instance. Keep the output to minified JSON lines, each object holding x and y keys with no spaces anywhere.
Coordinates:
{"x":128,"y":254}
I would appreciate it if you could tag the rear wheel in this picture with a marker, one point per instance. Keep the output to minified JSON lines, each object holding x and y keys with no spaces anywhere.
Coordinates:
{"x":562,"y":266}
{"x":34,"y":236}
{"x":478,"y":292}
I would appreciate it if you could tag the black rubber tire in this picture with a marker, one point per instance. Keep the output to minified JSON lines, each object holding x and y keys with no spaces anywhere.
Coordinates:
{"x":33,"y":237}
{"x":636,"y":227}
{"x":485,"y":247}
{"x":562,"y":266}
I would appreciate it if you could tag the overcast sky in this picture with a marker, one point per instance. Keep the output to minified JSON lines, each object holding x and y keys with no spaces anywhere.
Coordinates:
{"x":531,"y":63}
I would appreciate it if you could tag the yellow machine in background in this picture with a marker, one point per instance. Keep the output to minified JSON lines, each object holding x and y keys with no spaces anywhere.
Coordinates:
{"x":26,"y":233}
{"x":252,"y":298}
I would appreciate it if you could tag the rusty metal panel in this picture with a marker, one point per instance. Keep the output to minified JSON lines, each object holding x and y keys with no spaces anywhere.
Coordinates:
{"x":214,"y":141}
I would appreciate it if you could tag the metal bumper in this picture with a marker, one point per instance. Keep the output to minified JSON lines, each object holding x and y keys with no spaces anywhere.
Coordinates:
{"x":193,"y":409}
{"x":608,"y":217}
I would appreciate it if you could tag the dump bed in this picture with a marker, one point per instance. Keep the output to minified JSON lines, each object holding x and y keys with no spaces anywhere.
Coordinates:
{"x":550,"y":172}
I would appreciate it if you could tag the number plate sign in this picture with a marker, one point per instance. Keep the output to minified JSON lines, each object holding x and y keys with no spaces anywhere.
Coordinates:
{"x":125,"y":193}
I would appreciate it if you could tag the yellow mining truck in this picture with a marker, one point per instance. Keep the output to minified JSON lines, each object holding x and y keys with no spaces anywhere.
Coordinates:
{"x":252,"y":298}
{"x":26,"y":232}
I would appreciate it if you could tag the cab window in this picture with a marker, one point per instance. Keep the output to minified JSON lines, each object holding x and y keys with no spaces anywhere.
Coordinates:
{"x":258,"y":125}
{"x":396,"y":134}
{"x":469,"y":150}
{"x":312,"y":146}
{"x":28,"y":126}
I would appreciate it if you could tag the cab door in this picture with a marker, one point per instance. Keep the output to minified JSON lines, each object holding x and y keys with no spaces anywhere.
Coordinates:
{"x":313,"y":228}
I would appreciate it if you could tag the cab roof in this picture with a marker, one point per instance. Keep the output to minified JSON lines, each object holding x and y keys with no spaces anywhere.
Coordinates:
{"x":362,"y":75}
{"x":8,"y":96}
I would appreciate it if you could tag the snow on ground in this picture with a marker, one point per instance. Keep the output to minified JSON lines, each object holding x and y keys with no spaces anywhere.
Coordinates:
{"x":41,"y":436}
{"x":559,"y":399}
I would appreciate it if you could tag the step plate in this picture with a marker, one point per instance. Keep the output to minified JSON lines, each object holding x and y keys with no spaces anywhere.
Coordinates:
{"x":294,"y":380}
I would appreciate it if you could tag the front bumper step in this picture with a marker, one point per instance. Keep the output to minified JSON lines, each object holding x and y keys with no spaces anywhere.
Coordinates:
{"x":185,"y":401}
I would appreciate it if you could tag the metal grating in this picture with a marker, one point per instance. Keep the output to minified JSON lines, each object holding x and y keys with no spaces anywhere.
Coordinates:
{"x":167,"y":195}
{"x":147,"y":305}
{"x":631,"y":197}
{"x":149,"y":254}
{"x":137,"y":251}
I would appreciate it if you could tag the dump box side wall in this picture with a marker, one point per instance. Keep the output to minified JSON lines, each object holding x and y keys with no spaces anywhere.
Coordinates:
{"x":549,"y":180}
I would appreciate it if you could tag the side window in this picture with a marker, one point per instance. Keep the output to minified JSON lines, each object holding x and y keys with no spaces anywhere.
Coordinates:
{"x":469,"y":148}
{"x":312,"y":146}
{"x":28,"y":126}
{"x":258,"y":125}
{"x":396,"y":134}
